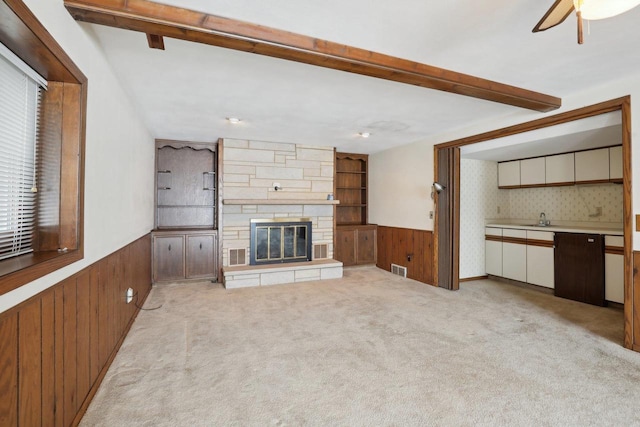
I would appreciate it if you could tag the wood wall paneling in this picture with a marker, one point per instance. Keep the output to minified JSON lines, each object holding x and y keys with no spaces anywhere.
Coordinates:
{"x":30,"y":368}
{"x":9,"y":370}
{"x":55,"y":348}
{"x":409,"y":248}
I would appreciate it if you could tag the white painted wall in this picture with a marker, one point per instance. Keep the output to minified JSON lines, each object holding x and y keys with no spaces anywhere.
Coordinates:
{"x":400,"y":187}
{"x":119,"y":155}
{"x":391,"y":204}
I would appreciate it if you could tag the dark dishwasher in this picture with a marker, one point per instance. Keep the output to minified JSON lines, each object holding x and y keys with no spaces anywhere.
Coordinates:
{"x":579,"y":267}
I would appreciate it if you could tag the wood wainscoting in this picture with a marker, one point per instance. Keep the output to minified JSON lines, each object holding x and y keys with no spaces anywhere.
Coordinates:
{"x":409,"y":248}
{"x":56,"y":347}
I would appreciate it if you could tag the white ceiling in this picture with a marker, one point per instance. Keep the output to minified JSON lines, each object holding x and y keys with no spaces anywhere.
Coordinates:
{"x":186,"y":91}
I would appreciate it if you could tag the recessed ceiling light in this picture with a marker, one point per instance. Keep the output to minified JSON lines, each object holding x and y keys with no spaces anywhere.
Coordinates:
{"x":364,"y":134}
{"x":233,"y":120}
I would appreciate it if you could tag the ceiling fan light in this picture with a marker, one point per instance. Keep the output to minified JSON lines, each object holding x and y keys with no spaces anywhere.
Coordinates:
{"x":601,"y":9}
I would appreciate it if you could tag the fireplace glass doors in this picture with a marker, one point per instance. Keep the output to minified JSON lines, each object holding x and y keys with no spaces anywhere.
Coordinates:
{"x":280,"y":240}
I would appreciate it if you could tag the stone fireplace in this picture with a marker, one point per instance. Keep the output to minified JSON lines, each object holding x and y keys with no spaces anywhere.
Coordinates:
{"x":273,"y":182}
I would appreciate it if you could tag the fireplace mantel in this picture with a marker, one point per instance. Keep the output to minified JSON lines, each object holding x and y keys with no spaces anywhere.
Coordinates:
{"x":279,"y":202}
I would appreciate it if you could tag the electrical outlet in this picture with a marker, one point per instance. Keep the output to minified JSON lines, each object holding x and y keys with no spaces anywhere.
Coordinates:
{"x":430,"y":214}
{"x":129,"y":295}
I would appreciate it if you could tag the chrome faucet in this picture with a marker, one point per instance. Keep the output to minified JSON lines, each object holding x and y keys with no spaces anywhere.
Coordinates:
{"x":543,"y":220}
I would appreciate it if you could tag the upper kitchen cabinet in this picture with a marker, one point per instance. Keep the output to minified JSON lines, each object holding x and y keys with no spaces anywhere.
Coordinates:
{"x":592,"y":166}
{"x":532,"y":171}
{"x":560,"y":169}
{"x":615,"y":163}
{"x":509,"y":174}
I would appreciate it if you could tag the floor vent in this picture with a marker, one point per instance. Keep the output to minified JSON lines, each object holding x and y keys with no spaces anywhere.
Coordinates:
{"x":399,"y":270}
{"x":320,"y":251}
{"x":237,"y":257}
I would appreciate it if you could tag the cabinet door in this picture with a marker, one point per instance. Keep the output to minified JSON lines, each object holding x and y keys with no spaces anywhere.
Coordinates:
{"x":168,"y":257}
{"x":592,"y":165}
{"x":493,"y":257}
{"x":201,"y":256}
{"x":615,"y":162}
{"x":509,"y":174}
{"x":614,"y":269}
{"x":560,"y":169}
{"x":540,"y":258}
{"x":540,"y":267}
{"x":514,"y":255}
{"x":345,"y":250}
{"x":366,"y":249}
{"x":532,"y":171}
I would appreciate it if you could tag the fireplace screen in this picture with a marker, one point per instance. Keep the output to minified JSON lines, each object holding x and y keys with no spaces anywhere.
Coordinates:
{"x":279,"y":241}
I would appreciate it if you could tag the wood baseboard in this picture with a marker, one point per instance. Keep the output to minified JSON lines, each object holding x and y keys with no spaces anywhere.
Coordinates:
{"x":471,"y":279}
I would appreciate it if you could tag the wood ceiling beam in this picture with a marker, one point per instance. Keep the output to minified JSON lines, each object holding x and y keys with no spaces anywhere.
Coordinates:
{"x":170,"y":21}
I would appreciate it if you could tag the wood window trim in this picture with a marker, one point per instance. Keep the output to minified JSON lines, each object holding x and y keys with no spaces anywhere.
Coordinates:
{"x":66,"y":102}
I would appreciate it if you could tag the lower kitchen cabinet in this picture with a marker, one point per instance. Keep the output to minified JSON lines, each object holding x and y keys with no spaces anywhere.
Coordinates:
{"x":614,"y":268}
{"x":184,"y":254}
{"x":356,"y":244}
{"x":540,"y":264}
{"x":514,"y":254}
{"x":493,"y":251}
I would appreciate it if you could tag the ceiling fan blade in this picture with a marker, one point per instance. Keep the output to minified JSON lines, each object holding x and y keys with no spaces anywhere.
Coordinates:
{"x":555,"y":15}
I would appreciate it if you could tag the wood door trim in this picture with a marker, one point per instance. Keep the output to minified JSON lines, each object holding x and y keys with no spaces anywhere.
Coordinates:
{"x":623,"y":104}
{"x":170,"y":21}
{"x":569,"y":116}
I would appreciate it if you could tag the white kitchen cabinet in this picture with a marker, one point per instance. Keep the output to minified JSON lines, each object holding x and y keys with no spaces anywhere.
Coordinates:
{"x":615,"y":162}
{"x":540,"y":258}
{"x":560,"y":168}
{"x":614,"y":269}
{"x":509,"y":174}
{"x":514,"y":254}
{"x":592,"y":165}
{"x":532,"y":171}
{"x":493,"y":251}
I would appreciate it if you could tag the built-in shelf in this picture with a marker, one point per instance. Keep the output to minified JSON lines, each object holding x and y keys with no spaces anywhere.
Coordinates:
{"x":279,"y":202}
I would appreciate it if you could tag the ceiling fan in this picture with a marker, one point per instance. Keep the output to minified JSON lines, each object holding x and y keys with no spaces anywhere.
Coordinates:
{"x":585,"y":9}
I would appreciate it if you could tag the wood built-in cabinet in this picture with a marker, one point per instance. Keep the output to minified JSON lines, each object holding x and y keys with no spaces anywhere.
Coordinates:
{"x":355,"y":241}
{"x":184,"y":254}
{"x":185,"y":240}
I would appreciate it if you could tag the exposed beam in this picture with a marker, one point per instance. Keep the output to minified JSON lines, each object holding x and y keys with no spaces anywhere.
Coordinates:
{"x":170,"y":21}
{"x":155,"y":41}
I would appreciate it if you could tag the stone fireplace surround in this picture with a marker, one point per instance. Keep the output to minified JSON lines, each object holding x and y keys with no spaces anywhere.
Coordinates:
{"x":250,"y":170}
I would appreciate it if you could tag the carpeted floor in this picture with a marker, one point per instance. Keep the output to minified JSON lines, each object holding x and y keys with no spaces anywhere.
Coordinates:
{"x":370,"y":349}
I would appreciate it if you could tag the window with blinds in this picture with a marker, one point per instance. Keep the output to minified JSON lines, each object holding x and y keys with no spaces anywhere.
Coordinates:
{"x":20,"y":93}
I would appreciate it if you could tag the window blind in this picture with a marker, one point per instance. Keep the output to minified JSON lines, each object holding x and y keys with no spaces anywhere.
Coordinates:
{"x":19,"y":111}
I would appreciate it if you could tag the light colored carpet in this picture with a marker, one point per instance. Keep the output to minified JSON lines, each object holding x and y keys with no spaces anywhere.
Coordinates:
{"x":370,"y":349}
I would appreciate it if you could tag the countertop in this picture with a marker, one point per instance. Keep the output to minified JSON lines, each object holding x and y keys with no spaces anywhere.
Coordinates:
{"x":562,"y":228}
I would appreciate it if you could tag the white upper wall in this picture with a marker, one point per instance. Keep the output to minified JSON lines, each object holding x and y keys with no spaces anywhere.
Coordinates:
{"x":119,"y":160}
{"x":398,"y":175}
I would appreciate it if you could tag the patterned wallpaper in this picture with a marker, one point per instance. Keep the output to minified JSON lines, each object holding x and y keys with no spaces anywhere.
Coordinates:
{"x":481,"y":202}
{"x":575,"y":203}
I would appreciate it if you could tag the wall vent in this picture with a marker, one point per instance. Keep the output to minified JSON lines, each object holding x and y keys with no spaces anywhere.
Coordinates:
{"x":320,"y":251}
{"x":237,"y":257}
{"x":399,"y":270}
